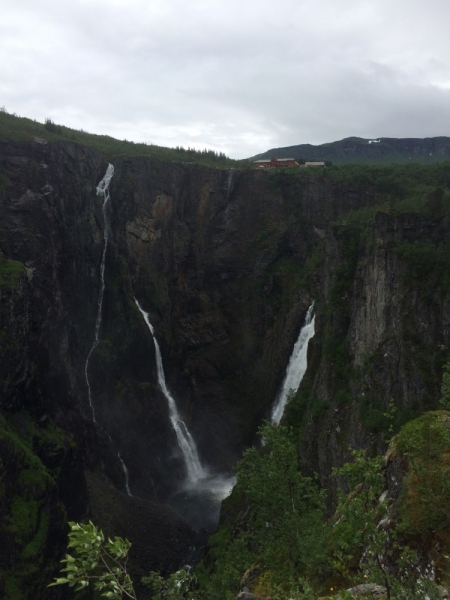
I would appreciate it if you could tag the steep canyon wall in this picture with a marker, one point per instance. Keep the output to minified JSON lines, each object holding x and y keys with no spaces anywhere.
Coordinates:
{"x":226,"y":263}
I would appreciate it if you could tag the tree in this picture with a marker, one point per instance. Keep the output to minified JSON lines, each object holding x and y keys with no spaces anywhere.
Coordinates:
{"x":97,"y":562}
{"x":178,"y":586}
{"x":435,"y":203}
{"x":277,"y":529}
{"x":445,"y":389}
{"x":366,"y":541}
{"x":52,"y":127}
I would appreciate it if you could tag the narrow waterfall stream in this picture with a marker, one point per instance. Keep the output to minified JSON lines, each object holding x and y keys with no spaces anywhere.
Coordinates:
{"x":125,"y":472}
{"x":296,"y":367}
{"x":103,"y":190}
{"x":194,"y":469}
{"x":198,"y":500}
{"x":230,"y":182}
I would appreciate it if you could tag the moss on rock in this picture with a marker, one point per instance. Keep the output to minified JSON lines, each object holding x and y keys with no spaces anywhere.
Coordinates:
{"x":10,"y":271}
{"x":32,"y":517}
{"x":423,"y":506}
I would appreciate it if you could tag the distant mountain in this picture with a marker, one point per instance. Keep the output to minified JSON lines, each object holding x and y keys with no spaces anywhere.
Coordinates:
{"x":377,"y":150}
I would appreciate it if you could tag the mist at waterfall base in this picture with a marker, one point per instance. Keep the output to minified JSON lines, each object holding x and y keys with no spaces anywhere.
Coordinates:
{"x":296,"y":367}
{"x":202,"y":497}
{"x":199,"y":497}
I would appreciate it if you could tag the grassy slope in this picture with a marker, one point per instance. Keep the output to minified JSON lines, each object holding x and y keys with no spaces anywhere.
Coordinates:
{"x":21,"y":129}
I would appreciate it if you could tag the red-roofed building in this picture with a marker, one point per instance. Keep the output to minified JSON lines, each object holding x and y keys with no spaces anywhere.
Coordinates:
{"x":275,"y":163}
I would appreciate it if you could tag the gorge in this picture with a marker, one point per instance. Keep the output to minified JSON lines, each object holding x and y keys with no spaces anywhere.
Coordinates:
{"x":196,"y":283}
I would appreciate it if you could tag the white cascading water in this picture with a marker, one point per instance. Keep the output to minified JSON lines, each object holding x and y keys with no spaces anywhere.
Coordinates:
{"x":296,"y":367}
{"x":199,"y":498}
{"x":103,"y":190}
{"x":127,"y":476}
{"x":194,"y":468}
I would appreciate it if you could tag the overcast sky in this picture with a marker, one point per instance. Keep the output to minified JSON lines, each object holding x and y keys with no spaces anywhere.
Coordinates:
{"x":238,"y":76}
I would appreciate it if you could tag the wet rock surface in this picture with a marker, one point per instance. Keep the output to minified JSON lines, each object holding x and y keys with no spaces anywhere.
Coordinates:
{"x":226,"y":263}
{"x":196,"y":247}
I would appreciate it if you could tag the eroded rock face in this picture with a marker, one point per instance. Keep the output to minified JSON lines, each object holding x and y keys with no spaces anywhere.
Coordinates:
{"x":213,"y":257}
{"x":384,"y":339}
{"x":226,"y":264}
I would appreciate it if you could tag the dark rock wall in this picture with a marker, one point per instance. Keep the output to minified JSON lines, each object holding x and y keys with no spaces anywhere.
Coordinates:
{"x":220,"y":260}
{"x":226,"y":263}
{"x":213,"y":255}
{"x":383,"y":336}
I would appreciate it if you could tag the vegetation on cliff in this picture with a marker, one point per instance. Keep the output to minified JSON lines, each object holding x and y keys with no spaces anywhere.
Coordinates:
{"x":21,"y":129}
{"x":274,"y":519}
{"x":10,"y":271}
{"x":32,"y":515}
{"x":391,"y":525}
{"x":249,"y":253}
{"x":391,"y":528}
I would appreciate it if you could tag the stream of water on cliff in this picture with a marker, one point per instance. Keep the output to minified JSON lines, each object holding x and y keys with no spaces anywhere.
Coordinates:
{"x":230,"y":182}
{"x":296,"y":367}
{"x":199,"y":498}
{"x":103,"y":190}
{"x":194,"y":468}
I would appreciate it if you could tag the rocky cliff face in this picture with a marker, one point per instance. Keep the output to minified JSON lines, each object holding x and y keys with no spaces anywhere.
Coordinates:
{"x":226,"y":263}
{"x":382,"y":339}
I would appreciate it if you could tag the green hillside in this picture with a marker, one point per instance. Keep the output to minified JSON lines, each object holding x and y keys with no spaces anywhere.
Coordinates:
{"x":21,"y":129}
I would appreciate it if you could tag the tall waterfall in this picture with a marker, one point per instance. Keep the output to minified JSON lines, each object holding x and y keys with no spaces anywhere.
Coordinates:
{"x":103,"y":190}
{"x":125,"y":472}
{"x":296,"y":367}
{"x":194,"y":468}
{"x":230,"y":181}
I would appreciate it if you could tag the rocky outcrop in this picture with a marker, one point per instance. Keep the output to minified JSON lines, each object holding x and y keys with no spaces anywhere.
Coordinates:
{"x":161,"y":539}
{"x":38,"y":466}
{"x":385,"y":338}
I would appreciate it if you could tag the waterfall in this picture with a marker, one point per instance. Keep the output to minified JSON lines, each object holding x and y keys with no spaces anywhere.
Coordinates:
{"x":230,"y":182}
{"x":125,"y":472}
{"x":194,"y":469}
{"x":296,"y":367}
{"x":198,"y":500}
{"x":103,"y":190}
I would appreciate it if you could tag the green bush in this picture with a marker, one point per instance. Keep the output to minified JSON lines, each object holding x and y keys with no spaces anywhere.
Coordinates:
{"x":10,"y":271}
{"x":96,"y":562}
{"x":279,"y":525}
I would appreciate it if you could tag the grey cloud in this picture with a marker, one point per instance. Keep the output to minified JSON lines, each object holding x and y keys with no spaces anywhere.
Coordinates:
{"x":239,"y":77}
